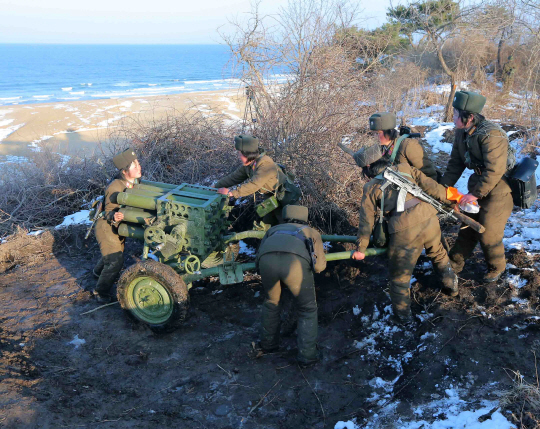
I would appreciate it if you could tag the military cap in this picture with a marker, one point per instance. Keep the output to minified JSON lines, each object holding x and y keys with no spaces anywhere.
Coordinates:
{"x":246,"y":143}
{"x":368,"y":155}
{"x":469,"y":101}
{"x":295,"y":212}
{"x":124,"y":159}
{"x":382,"y":121}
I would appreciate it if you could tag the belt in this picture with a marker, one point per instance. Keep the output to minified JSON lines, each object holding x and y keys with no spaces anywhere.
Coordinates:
{"x":409,"y":204}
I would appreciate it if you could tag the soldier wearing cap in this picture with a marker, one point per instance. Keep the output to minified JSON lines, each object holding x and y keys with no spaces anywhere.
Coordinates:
{"x":410,"y":231}
{"x":482,"y":146}
{"x":110,"y":243}
{"x":398,"y":149}
{"x":258,"y":173}
{"x":288,"y":255}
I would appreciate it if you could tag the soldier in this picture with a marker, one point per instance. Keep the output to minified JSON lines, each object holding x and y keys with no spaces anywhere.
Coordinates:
{"x":110,"y":243}
{"x":259,"y":173}
{"x":407,"y":150}
{"x":482,"y":146}
{"x":288,"y":256}
{"x":410,"y":231}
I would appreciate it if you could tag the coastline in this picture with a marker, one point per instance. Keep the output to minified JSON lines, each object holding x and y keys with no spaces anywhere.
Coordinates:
{"x":78,"y":127}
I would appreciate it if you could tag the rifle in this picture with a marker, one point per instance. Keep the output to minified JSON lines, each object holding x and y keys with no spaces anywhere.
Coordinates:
{"x":406,"y":186}
{"x":97,"y":215}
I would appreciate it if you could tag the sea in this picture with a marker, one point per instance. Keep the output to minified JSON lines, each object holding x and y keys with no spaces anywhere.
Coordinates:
{"x":39,"y":73}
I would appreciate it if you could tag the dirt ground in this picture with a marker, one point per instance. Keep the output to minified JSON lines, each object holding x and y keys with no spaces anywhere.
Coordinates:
{"x":204,"y":375}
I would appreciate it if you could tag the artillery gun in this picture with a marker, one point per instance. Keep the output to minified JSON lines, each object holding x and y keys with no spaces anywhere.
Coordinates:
{"x":185,"y":237}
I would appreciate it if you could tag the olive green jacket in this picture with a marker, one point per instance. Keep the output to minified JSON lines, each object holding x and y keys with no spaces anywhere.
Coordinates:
{"x":484,"y":147}
{"x":283,"y":243}
{"x":371,"y":203}
{"x":263,"y":176}
{"x":111,"y":205}
{"x":411,"y":152}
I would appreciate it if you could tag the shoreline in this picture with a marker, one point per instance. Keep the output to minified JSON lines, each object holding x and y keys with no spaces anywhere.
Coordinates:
{"x":79,"y":127}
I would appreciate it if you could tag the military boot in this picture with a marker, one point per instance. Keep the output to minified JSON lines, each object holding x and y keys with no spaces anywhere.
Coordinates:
{"x":449,"y":280}
{"x":457,"y":263}
{"x":492,"y":275}
{"x":404,"y":318}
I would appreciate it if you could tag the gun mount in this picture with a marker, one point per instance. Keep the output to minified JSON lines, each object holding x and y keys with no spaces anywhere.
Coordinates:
{"x":184,"y":230}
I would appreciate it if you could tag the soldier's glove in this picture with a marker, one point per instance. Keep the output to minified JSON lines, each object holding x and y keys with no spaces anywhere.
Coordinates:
{"x":453,"y":194}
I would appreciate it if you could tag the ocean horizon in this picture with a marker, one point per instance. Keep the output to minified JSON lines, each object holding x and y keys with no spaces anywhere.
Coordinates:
{"x":40,"y":73}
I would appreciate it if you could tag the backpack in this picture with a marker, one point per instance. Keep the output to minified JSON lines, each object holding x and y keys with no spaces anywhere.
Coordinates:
{"x":522,"y":181}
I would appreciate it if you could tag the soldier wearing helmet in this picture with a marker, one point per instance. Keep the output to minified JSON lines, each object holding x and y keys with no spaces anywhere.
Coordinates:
{"x":259,"y":173}
{"x":482,"y":146}
{"x":409,"y":232}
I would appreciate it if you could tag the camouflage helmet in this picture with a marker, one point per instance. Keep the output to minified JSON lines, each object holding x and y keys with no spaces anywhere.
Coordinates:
{"x":382,"y":121}
{"x":246,"y":143}
{"x":368,"y":155}
{"x":124,"y":159}
{"x":295,"y":213}
{"x":469,"y":101}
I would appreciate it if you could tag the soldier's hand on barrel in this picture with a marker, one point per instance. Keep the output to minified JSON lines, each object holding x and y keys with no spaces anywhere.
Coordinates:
{"x":468,"y":198}
{"x":118,"y":216}
{"x":358,"y":256}
{"x":224,"y":191}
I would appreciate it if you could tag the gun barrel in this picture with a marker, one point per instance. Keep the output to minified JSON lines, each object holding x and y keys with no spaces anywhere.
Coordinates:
{"x":339,"y":256}
{"x":131,"y":231}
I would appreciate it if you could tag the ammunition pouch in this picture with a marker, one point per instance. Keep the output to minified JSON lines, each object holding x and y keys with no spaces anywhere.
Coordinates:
{"x":380,"y":234}
{"x":267,"y":206}
{"x":286,"y":193}
{"x":522,"y":181}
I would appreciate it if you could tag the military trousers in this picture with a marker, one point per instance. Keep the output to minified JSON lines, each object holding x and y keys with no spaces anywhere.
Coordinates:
{"x":111,"y":262}
{"x":278,"y":270}
{"x":404,"y":249}
{"x":493,"y":215}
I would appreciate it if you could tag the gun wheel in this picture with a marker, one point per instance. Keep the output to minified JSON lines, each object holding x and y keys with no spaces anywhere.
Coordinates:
{"x":153,"y":293}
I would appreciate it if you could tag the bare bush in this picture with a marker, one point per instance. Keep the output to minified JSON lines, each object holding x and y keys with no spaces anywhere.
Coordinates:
{"x":187,"y":147}
{"x":43,"y":191}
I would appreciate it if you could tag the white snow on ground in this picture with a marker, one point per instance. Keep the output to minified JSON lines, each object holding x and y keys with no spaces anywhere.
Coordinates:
{"x":232,"y":104}
{"x":109,"y":121}
{"x":451,"y":412}
{"x":4,"y":132}
{"x":13,"y":159}
{"x":81,"y":217}
{"x":434,"y":138}
{"x":77,"y":342}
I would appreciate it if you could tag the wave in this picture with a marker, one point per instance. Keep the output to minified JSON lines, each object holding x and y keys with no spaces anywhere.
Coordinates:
{"x":67,"y":88}
{"x":10,"y":98}
{"x":41,"y":97}
{"x":77,"y":93}
{"x":123,"y":84}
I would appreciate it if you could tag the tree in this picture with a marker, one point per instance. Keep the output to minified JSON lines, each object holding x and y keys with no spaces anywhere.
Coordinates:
{"x":438,"y":21}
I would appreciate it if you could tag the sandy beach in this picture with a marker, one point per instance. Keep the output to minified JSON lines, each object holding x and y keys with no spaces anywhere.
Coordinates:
{"x":78,"y":127}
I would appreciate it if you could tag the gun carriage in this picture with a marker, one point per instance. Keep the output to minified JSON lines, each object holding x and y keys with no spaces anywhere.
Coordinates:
{"x":184,"y":230}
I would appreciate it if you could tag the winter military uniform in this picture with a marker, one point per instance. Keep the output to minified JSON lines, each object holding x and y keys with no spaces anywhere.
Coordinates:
{"x":110,"y":243}
{"x":284,"y":260}
{"x":412,"y":230}
{"x":484,"y":149}
{"x":410,"y":151}
{"x":263,"y":176}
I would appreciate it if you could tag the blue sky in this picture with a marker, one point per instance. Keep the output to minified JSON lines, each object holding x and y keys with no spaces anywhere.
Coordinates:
{"x":133,"y":21}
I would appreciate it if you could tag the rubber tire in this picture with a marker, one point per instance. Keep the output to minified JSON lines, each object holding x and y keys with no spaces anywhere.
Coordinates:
{"x":170,"y":280}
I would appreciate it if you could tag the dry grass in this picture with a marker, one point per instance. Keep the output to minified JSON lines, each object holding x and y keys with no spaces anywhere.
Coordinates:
{"x":523,"y":400}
